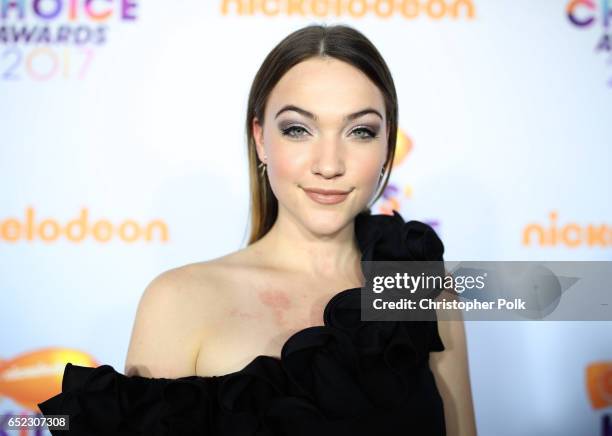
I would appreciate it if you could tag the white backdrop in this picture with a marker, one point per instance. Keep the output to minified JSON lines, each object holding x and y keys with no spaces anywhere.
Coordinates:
{"x":137,"y":117}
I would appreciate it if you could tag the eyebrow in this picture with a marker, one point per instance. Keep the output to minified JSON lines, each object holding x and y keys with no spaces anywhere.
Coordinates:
{"x":312,"y":116}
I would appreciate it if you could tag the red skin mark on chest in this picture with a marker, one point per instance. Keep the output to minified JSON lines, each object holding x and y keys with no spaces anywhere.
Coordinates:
{"x":277,"y":301}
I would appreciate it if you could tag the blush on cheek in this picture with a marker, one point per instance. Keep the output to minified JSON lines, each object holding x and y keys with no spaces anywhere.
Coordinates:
{"x":282,"y":157}
{"x":286,"y":168}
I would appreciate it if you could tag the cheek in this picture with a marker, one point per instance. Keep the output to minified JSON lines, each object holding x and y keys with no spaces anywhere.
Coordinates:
{"x":369,"y":175}
{"x":286,"y":161}
{"x":368,"y":166}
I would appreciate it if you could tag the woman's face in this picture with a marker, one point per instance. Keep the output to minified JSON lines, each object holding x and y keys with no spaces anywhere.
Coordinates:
{"x":324,"y":129}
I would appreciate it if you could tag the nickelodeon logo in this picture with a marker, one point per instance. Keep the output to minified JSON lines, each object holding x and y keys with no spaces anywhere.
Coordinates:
{"x":33,"y":377}
{"x":77,"y":230}
{"x":408,"y":9}
{"x":571,"y":234}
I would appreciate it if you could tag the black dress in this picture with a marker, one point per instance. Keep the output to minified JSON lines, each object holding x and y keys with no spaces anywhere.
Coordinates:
{"x":347,"y":377}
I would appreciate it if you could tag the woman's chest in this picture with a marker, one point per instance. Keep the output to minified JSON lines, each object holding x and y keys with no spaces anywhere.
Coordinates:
{"x":258,"y":320}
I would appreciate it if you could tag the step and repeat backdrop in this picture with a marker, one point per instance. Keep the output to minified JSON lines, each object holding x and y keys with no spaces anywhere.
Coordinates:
{"x":122,"y":154}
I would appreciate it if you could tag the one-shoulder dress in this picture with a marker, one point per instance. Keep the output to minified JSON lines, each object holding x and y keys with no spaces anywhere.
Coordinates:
{"x":347,"y":377}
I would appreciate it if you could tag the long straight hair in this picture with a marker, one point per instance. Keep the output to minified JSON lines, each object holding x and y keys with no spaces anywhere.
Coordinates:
{"x":338,"y":41}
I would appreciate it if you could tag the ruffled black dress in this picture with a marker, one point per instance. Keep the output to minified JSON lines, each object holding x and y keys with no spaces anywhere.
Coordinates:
{"x":347,"y":377}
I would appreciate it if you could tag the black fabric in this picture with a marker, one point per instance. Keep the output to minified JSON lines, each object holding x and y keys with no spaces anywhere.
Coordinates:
{"x":347,"y":377}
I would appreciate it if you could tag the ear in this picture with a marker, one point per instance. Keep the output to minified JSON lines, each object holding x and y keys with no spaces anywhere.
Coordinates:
{"x":257,"y":129}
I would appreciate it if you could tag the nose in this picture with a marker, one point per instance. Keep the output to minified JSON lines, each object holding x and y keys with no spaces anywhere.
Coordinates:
{"x":328,"y":159}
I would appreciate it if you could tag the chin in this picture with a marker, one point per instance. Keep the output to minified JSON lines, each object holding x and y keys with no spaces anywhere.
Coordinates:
{"x":326,"y":221}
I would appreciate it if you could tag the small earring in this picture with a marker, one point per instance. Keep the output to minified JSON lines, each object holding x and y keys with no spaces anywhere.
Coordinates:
{"x":262,"y":167}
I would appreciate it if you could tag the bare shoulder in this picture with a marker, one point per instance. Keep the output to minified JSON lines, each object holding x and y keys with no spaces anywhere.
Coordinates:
{"x":175,"y":312}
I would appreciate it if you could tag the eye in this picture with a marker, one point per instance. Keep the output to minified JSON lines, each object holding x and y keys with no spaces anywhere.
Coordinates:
{"x":294,"y":131}
{"x":369,"y":134}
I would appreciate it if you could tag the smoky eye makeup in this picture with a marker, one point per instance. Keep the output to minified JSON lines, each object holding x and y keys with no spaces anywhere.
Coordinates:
{"x":293,"y":129}
{"x":369,"y":129}
{"x":363,"y":131}
{"x":284,"y":125}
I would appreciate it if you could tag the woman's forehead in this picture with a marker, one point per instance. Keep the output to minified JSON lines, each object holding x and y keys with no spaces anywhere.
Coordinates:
{"x":328,"y":88}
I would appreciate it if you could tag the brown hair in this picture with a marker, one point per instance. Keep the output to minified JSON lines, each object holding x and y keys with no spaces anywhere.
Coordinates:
{"x":338,"y":41}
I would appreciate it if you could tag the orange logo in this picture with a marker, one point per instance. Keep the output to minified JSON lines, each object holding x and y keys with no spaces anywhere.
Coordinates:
{"x":78,"y":229}
{"x":407,"y":9}
{"x":599,"y":384}
{"x":391,"y":195}
{"x":570,"y":234}
{"x":403,"y":147}
{"x":31,"y":378}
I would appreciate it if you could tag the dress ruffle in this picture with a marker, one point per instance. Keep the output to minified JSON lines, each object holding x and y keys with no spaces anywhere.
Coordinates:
{"x":346,"y":377}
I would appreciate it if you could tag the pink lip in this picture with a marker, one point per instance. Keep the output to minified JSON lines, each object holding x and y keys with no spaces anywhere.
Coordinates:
{"x":326,"y":196}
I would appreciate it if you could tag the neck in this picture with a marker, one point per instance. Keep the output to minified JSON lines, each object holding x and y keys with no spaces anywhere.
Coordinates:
{"x":290,"y":246}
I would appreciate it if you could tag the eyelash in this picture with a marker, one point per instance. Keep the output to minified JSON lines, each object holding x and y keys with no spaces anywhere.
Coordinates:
{"x":286,"y":132}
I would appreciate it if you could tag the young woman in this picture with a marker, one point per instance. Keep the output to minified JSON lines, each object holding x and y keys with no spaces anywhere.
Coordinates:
{"x":268,"y":340}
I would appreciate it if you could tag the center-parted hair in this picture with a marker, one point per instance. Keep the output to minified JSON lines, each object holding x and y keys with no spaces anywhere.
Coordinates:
{"x":340,"y":42}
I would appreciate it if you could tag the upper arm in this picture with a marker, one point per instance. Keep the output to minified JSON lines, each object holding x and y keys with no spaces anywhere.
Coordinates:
{"x":166,"y":335}
{"x":451,"y":371}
